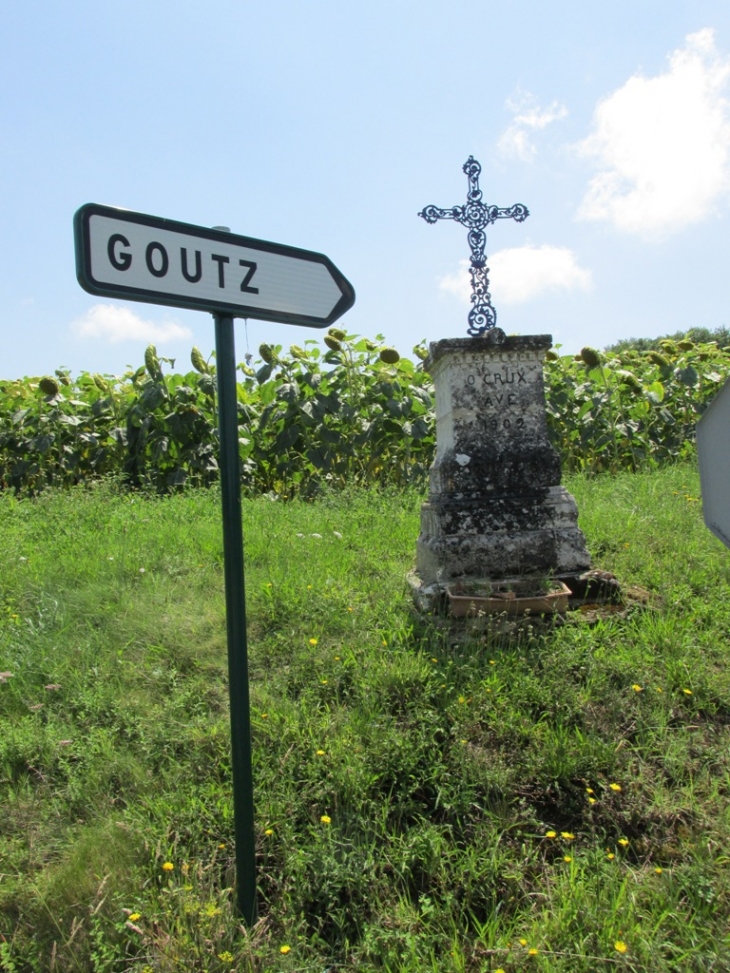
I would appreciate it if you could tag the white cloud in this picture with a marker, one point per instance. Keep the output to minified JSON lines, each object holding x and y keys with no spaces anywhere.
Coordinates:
{"x":515,"y":142}
{"x":519,"y":274}
{"x":121,"y":324}
{"x":662,"y":145}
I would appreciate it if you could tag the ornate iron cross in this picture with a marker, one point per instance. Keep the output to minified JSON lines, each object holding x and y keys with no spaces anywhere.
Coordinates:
{"x":476,"y":215}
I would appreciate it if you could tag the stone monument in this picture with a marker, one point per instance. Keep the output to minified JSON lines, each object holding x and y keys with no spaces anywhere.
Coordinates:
{"x":496,"y":512}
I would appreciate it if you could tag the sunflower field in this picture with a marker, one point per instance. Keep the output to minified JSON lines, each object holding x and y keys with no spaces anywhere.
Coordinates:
{"x":352,"y":411}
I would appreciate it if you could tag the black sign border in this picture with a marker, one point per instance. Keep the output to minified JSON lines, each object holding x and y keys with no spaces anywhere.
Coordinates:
{"x":82,"y":246}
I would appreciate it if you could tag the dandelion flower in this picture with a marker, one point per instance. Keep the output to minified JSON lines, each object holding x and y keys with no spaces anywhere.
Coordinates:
{"x":687,"y":692}
{"x":624,"y":842}
{"x":269,"y":832}
{"x":221,"y":846}
{"x":167,"y":867}
{"x":615,"y":787}
{"x":264,"y":716}
{"x":326,"y":819}
{"x":462,"y":699}
{"x":532,"y":952}
{"x":523,"y":942}
{"x":658,"y":870}
{"x":610,"y":855}
{"x":567,"y":835}
{"x":636,"y":687}
{"x":323,"y":681}
{"x":337,"y":658}
{"x":434,"y":660}
{"x":567,"y":858}
{"x":285,"y":949}
{"x":320,"y":753}
{"x":591,"y":800}
{"x":620,"y":946}
{"x":551,"y":834}
{"x":589,"y":790}
{"x":134,"y":916}
{"x":313,"y":641}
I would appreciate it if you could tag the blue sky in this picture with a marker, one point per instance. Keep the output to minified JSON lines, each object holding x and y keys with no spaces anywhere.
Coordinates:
{"x":329,"y":125}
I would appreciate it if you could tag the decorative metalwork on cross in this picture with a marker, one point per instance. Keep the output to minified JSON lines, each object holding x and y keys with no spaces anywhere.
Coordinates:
{"x":476,"y":215}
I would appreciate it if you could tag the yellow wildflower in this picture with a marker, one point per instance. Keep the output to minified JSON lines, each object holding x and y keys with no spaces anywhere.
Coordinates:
{"x":551,"y":834}
{"x":523,"y":942}
{"x":567,"y":858}
{"x":687,"y":692}
{"x":269,"y":832}
{"x":225,"y":956}
{"x":610,"y":855}
{"x":615,"y":787}
{"x":568,"y":835}
{"x":134,"y":916}
{"x":658,"y":870}
{"x":532,"y":952}
{"x":636,"y":687}
{"x":624,"y":842}
{"x":313,"y":641}
{"x":285,"y":949}
{"x":320,"y":753}
{"x":326,"y":819}
{"x":620,"y":946}
{"x":167,"y":867}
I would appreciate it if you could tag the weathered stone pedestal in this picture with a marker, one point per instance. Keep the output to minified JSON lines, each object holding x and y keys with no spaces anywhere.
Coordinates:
{"x":496,"y":510}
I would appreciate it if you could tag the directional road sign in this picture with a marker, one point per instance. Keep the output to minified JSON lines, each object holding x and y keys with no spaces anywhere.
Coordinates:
{"x":713,"y":454}
{"x":143,"y":258}
{"x":136,"y":257}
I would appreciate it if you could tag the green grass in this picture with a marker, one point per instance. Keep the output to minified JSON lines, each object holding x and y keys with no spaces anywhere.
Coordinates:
{"x":445,"y":763}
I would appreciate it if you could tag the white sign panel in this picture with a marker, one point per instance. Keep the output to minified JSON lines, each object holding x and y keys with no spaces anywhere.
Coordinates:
{"x":145,"y":258}
{"x":713,"y":454}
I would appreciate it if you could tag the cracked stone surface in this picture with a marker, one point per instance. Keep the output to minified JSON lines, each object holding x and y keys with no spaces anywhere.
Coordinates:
{"x":496,"y":508}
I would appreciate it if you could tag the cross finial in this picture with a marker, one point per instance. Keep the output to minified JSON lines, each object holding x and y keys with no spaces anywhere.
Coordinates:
{"x":476,"y":215}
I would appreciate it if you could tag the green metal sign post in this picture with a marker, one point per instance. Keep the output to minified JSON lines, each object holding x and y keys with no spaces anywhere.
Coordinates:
{"x":135,"y":257}
{"x":235,"y":617}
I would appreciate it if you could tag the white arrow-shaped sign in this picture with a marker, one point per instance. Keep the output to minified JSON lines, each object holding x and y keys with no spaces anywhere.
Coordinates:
{"x":145,"y":258}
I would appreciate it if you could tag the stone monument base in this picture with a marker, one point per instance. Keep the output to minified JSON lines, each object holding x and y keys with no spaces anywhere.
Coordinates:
{"x":496,"y":512}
